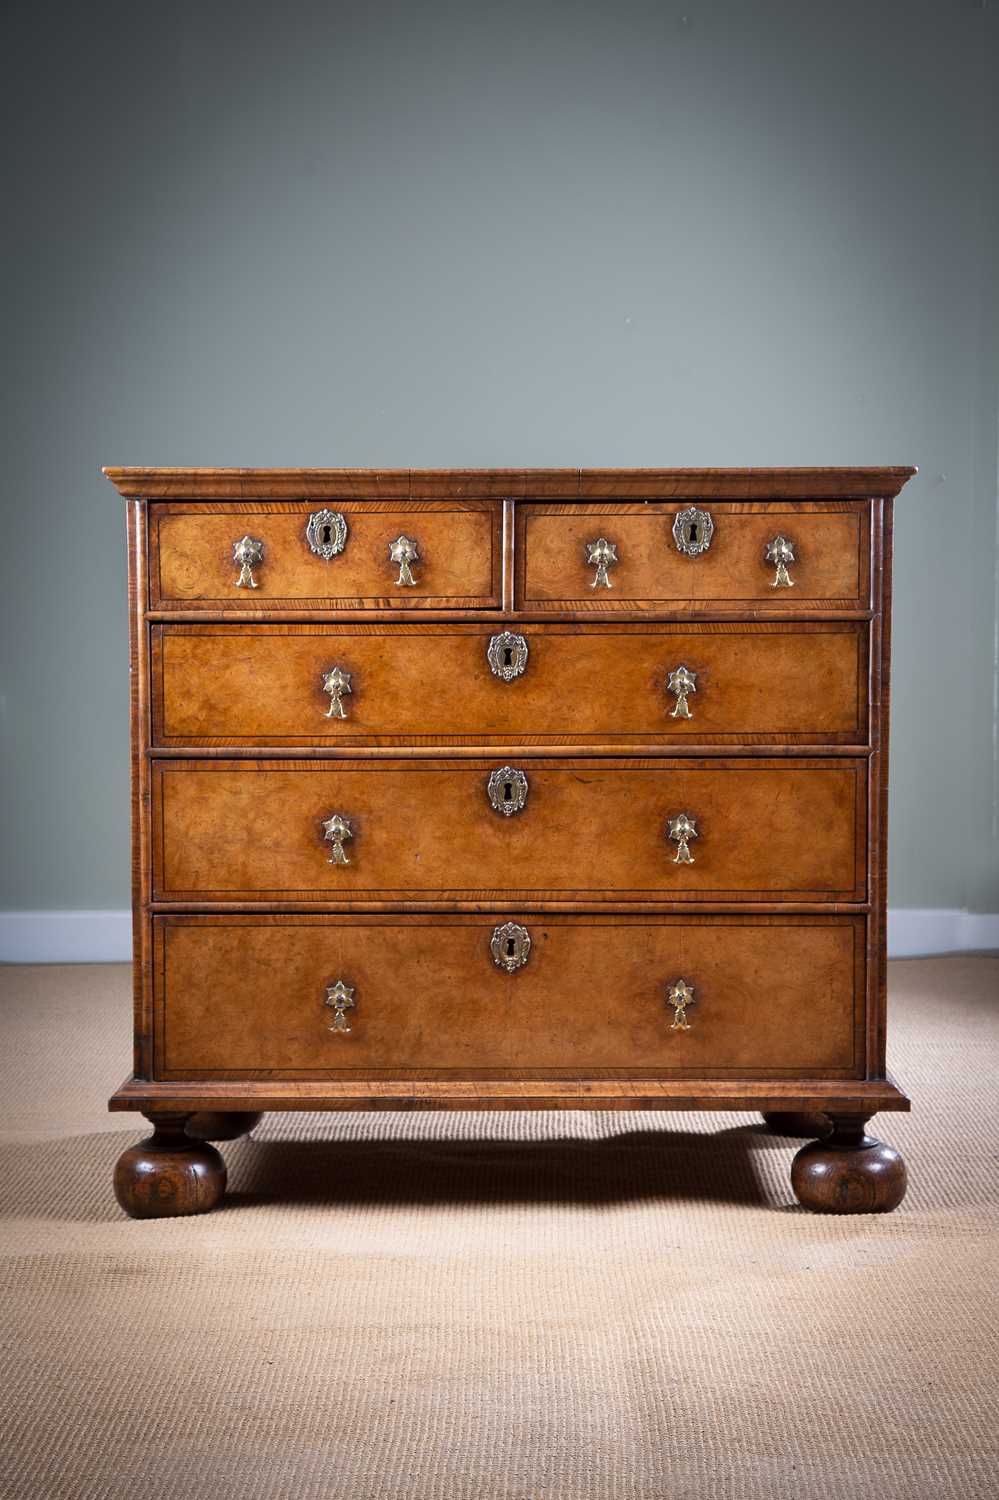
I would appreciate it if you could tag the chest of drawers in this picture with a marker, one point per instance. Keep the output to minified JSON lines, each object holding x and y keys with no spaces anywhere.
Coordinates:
{"x":508,"y":789}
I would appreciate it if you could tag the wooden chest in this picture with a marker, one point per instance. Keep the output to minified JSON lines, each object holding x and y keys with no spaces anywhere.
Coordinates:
{"x":507,"y":789}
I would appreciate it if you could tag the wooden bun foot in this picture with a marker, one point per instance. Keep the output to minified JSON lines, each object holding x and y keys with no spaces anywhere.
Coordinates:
{"x":848,"y":1172}
{"x":222,"y":1125}
{"x":796,"y":1124}
{"x":169,"y":1174}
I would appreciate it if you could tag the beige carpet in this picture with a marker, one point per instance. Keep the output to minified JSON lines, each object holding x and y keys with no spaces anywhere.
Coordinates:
{"x":525,"y":1306}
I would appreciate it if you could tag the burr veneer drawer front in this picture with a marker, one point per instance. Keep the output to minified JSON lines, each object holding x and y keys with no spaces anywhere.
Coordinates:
{"x":430,"y":831}
{"x":781,"y":555}
{"x":541,"y":684}
{"x":316,"y":997}
{"x":301,"y":555}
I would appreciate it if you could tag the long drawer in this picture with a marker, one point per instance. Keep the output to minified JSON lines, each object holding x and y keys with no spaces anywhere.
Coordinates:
{"x":314,"y":997}
{"x":425,"y":831}
{"x":428,"y":554}
{"x":782,"y":555}
{"x":537,"y":684}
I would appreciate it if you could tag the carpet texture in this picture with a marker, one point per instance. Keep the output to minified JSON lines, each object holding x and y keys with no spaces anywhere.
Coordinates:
{"x":438,"y":1306}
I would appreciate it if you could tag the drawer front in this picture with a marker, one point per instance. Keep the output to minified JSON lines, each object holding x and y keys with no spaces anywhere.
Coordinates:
{"x":434,"y":684}
{"x":242,"y":997}
{"x":454,"y":560}
{"x":427,"y":831}
{"x":830,"y":543}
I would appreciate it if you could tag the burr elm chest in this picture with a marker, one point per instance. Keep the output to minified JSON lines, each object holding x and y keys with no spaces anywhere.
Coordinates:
{"x":507,"y":789}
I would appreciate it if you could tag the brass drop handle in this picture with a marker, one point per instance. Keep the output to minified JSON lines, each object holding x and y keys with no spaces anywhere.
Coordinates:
{"x":681,"y":829}
{"x":780,"y":552}
{"x":337,"y":683}
{"x":507,"y":655}
{"x":601,"y":555}
{"x":507,"y":790}
{"x":510,"y":946}
{"x":336,"y":831}
{"x":402,"y":552}
{"x":340,"y":999}
{"x":248,"y":552}
{"x":681,"y":683}
{"x":680,"y":995}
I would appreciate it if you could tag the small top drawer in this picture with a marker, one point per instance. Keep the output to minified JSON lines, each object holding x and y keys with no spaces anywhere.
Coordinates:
{"x":379,"y":555}
{"x":787,"y":556}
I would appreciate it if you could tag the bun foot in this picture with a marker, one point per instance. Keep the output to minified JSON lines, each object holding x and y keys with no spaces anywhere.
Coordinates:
{"x":222,"y":1125}
{"x":797,"y":1124}
{"x":168,"y":1174}
{"x":848,"y":1172}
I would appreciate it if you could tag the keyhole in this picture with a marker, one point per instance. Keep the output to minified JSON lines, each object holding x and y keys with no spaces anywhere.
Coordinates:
{"x":693,"y":531}
{"x":509,"y":948}
{"x":507,"y":791}
{"x":327,"y":533}
{"x":507,"y":656}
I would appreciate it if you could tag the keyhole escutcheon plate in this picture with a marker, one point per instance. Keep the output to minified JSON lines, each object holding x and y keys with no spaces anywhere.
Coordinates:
{"x":692,"y":531}
{"x":510,"y":946}
{"x":326,"y":533}
{"x":507,"y":789}
{"x":507,"y":655}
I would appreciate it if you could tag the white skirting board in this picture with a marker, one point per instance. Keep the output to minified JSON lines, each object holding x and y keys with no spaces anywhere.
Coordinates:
{"x":65,"y":937}
{"x":914,"y":932}
{"x":82,"y":937}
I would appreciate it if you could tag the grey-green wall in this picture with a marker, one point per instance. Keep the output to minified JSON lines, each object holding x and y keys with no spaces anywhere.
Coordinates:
{"x":519,"y":233}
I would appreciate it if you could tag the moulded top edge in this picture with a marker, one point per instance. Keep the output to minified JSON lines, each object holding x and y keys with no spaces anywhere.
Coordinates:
{"x":542,"y":484}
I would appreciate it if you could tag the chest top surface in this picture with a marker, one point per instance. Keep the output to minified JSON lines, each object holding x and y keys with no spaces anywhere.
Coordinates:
{"x":554,"y":484}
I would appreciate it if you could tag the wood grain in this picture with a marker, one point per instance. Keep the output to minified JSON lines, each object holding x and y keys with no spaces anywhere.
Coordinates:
{"x":139,"y":798}
{"x":234,"y":764}
{"x":868,"y":1096}
{"x":252,"y":831}
{"x":429,"y":999}
{"x":831,"y":546}
{"x":460,"y":562}
{"x":517,"y":484}
{"x":848,"y":1171}
{"x":261,"y":685}
{"x":169,"y":1175}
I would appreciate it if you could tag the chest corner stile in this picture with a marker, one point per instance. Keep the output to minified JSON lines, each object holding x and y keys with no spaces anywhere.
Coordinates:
{"x":416,"y":754}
